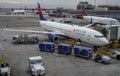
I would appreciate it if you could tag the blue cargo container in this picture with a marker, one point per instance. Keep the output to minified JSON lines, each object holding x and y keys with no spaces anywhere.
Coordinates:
{"x":82,"y":51}
{"x":64,"y":48}
{"x":42,"y":46}
{"x":46,"y":46}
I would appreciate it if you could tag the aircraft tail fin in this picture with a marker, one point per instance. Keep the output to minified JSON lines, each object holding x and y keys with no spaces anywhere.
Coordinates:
{"x":84,"y":11}
{"x":25,"y":8}
{"x":40,"y":13}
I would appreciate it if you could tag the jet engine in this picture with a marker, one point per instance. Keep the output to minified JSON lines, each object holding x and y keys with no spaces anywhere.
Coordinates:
{"x":53,"y":37}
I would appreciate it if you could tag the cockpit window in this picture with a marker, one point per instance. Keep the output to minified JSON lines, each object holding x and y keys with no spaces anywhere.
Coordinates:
{"x":113,"y":22}
{"x":99,"y":36}
{"x":116,"y":23}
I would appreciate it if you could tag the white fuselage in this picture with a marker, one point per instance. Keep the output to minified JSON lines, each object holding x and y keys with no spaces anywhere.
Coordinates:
{"x":103,"y":20}
{"x":19,"y":11}
{"x":61,"y":20}
{"x":86,"y":35}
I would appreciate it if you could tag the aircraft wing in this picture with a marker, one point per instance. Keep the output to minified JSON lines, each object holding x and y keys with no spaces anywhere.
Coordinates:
{"x":33,"y":31}
{"x":1,"y":47}
{"x":88,"y":25}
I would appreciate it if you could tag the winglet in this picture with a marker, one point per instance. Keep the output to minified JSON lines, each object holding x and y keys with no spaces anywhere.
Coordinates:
{"x":40,"y":13}
{"x":91,"y":21}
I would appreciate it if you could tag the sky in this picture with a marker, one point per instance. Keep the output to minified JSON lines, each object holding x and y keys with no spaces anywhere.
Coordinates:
{"x":71,"y":4}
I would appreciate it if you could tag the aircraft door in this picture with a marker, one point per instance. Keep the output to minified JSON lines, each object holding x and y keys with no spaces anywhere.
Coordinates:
{"x":88,"y":37}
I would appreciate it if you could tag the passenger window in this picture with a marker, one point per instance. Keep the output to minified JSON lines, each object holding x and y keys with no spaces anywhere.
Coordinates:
{"x":98,"y":36}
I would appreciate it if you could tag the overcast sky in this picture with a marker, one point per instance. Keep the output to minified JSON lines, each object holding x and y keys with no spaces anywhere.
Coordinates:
{"x":53,"y":3}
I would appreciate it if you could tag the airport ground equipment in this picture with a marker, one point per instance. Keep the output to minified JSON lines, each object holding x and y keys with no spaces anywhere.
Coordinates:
{"x":36,"y":66}
{"x":25,"y":39}
{"x":64,"y":48}
{"x":70,"y":41}
{"x":4,"y":67}
{"x":46,"y":46}
{"x":103,"y":52}
{"x":102,"y":59}
{"x":82,"y":51}
{"x":116,"y":55}
{"x":114,"y":44}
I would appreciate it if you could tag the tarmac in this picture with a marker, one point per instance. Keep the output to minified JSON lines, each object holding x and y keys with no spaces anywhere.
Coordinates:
{"x":55,"y":64}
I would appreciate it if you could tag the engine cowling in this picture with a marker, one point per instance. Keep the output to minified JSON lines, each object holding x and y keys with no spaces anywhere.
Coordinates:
{"x":53,"y":37}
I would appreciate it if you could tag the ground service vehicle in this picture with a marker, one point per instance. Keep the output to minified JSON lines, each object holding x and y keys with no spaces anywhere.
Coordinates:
{"x":4,"y":68}
{"x":36,"y":65}
{"x":82,"y":51}
{"x":64,"y":48}
{"x":25,"y":39}
{"x":47,"y":46}
{"x":116,"y":55}
{"x":102,"y":59}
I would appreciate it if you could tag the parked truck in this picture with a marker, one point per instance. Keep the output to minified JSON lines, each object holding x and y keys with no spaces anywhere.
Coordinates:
{"x":64,"y":48}
{"x":36,"y":66}
{"x":25,"y":39}
{"x":46,"y":46}
{"x":82,"y":51}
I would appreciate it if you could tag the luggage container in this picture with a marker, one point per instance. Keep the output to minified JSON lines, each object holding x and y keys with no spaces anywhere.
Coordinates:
{"x":82,"y":51}
{"x":64,"y":48}
{"x":46,"y":46}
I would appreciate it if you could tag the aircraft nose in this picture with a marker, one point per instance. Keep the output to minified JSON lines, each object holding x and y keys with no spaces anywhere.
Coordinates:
{"x":104,"y":41}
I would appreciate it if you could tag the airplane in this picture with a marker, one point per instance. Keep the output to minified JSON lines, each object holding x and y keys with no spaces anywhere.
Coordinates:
{"x":55,"y":30}
{"x":61,"y":20}
{"x":20,"y":11}
{"x":96,"y":19}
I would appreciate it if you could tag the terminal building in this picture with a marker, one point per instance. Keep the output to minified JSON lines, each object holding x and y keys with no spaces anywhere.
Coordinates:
{"x":113,"y":33}
{"x":82,"y":4}
{"x":86,"y":5}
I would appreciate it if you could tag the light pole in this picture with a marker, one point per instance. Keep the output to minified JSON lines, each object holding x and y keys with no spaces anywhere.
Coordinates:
{"x":95,"y":3}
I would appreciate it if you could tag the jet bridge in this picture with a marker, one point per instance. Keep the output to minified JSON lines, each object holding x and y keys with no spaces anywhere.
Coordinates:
{"x":111,"y":32}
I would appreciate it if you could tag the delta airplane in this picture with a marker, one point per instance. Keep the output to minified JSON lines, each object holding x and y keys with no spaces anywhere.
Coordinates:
{"x":95,"y":19}
{"x":55,"y":30}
